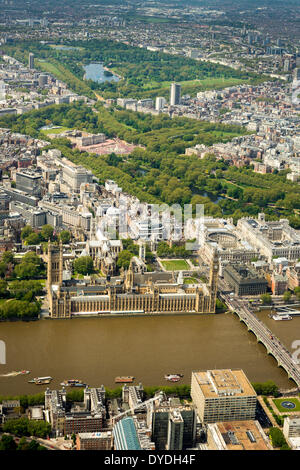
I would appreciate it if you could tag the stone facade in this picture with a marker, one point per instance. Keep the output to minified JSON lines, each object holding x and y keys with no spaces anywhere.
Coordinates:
{"x":129,"y":293}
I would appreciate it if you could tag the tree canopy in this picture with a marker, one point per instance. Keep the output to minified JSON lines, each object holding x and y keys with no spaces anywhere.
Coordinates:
{"x":83,"y":265}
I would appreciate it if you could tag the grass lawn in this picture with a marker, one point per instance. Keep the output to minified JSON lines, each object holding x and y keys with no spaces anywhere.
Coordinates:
{"x":176,"y":265}
{"x":194,"y":86}
{"x":58,"y":46}
{"x":278,"y":402}
{"x":56,"y":130}
{"x":48,"y":67}
{"x":190,"y":280}
{"x":78,"y":276}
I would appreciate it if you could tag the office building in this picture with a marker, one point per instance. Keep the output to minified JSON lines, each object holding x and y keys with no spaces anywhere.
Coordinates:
{"x":291,"y":426}
{"x":291,"y":431}
{"x":132,"y":434}
{"x":20,"y":196}
{"x":33,"y":216}
{"x":29,"y":182}
{"x":90,"y":416}
{"x":9,"y":410}
{"x":244,"y":280}
{"x":31,"y":60}
{"x":43,"y":80}
{"x":94,"y":440}
{"x":125,"y":435}
{"x":133,"y":395}
{"x":223,"y":395}
{"x":74,"y":175}
{"x":173,"y":425}
{"x":272,"y":239}
{"x":286,"y":65}
{"x":241,"y":435}
{"x":175,"y":431}
{"x":175,"y":94}
{"x":160,"y":103}
{"x":4,"y":205}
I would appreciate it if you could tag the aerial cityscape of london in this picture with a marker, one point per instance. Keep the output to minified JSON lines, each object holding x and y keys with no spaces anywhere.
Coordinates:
{"x":149,"y":228}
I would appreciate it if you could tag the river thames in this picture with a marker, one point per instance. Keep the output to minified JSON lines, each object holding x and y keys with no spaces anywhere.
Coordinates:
{"x":97,"y":350}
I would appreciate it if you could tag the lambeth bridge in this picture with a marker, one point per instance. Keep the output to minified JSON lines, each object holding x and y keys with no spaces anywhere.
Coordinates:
{"x":265,"y":336}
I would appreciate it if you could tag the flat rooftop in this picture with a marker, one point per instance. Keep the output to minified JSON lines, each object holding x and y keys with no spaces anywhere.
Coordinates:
{"x":224,"y":382}
{"x":242,"y":435}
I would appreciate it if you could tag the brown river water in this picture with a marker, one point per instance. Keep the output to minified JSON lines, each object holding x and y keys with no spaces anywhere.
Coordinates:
{"x":97,"y":350}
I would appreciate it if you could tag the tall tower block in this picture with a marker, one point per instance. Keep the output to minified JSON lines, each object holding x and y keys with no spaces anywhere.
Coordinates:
{"x":175,"y":93}
{"x":213,"y":281}
{"x":31,"y":60}
{"x":55,"y":264}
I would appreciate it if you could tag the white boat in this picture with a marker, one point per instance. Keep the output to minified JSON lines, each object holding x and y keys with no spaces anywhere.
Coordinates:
{"x":173,"y":377}
{"x":40,"y":380}
{"x":282,"y":317}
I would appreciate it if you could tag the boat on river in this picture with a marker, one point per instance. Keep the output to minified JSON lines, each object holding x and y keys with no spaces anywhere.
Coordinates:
{"x":73,"y":383}
{"x":173,"y":377}
{"x":40,"y":380}
{"x":282,"y":317}
{"x":14,"y":373}
{"x":125,"y":379}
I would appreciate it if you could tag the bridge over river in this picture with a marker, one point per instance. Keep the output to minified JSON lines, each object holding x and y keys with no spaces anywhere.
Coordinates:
{"x":264,"y":335}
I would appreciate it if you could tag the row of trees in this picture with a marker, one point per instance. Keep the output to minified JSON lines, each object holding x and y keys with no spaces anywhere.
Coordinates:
{"x":31,"y":266}
{"x":266,"y":299}
{"x":159,"y":172}
{"x":47,"y":232}
{"x":143,"y":71}
{"x":7,"y":442}
{"x":21,"y":290}
{"x":39,"y":398}
{"x":266,"y":388}
{"x":27,"y":427}
{"x":175,"y":251}
{"x":19,"y":310}
{"x":83,"y":265}
{"x":278,"y":439}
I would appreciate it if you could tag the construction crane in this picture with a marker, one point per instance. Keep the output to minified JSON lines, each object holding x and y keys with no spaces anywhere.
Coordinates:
{"x":160,"y":396}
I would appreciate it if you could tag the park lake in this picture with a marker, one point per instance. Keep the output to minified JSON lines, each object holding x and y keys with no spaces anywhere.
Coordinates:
{"x":97,"y":73}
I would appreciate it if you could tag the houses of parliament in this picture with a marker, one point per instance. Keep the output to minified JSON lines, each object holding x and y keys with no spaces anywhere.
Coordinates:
{"x":133,"y":292}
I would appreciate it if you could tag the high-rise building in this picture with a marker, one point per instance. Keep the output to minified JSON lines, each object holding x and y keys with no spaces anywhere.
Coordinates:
{"x":286,"y":65}
{"x":223,"y":395}
{"x":159,"y":103}
{"x":173,"y":425}
{"x":175,"y":94}
{"x":3,"y":87}
{"x":31,"y":60}
{"x":29,"y":182}
{"x":43,"y":80}
{"x":125,"y":435}
{"x":175,"y":431}
{"x":132,"y":434}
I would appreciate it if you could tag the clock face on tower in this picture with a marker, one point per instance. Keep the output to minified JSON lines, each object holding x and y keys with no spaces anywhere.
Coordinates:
{"x":215,"y":266}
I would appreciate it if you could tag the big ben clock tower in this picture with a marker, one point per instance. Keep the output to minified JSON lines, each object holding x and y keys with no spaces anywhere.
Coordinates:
{"x":213,"y":281}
